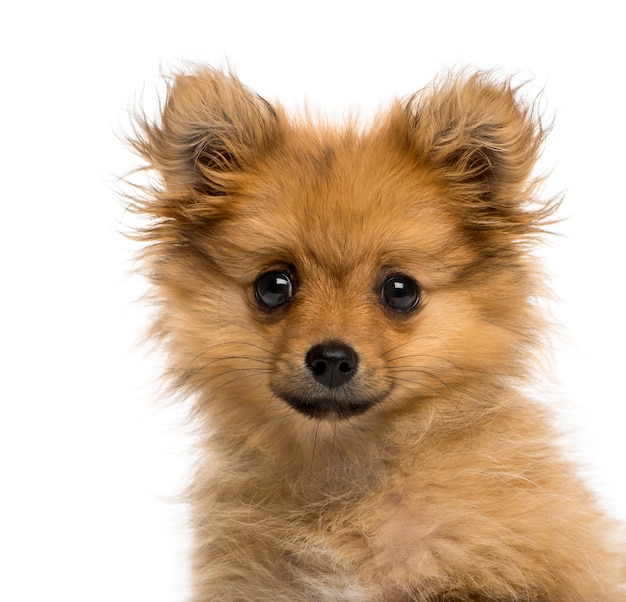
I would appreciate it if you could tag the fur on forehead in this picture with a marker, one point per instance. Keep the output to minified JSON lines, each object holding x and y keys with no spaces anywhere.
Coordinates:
{"x":357,"y":208}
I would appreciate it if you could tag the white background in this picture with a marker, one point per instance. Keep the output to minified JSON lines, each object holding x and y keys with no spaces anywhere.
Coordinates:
{"x":89,"y":462}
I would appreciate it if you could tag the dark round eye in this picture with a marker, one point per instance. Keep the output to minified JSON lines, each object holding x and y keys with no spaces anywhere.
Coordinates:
{"x":400,"y":293}
{"x":273,"y":289}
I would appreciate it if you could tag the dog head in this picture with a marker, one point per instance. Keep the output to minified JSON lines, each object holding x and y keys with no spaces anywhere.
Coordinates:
{"x":343,"y":271}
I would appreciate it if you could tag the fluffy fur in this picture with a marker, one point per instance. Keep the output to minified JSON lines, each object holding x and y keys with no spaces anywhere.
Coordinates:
{"x":427,"y":475}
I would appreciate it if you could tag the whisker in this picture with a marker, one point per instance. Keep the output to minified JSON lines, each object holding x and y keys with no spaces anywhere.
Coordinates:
{"x":423,"y":372}
{"x":414,"y":340}
{"x":317,"y":427}
{"x":241,"y":373}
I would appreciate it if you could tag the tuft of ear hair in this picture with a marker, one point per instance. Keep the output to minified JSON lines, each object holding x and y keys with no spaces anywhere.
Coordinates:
{"x":482,"y":141}
{"x":211,"y":128}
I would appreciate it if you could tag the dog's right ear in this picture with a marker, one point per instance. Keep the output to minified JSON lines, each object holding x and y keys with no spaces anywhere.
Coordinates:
{"x":210,"y":131}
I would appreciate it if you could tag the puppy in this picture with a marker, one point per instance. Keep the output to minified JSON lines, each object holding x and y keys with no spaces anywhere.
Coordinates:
{"x":353,"y":311}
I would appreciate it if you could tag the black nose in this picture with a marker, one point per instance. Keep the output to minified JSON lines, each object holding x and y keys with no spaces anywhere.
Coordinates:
{"x":332,"y":364}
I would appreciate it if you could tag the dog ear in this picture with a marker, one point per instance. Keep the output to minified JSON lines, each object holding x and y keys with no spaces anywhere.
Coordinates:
{"x":210,"y":131}
{"x":482,"y":143}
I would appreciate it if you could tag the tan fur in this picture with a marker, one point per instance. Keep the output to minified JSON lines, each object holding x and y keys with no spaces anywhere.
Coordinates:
{"x":451,"y":487}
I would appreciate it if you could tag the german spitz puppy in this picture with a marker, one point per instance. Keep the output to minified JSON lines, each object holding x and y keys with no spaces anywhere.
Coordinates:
{"x":354,"y":312}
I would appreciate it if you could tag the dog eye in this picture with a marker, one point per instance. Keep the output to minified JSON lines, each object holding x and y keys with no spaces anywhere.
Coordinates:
{"x":400,"y":293}
{"x":273,"y":289}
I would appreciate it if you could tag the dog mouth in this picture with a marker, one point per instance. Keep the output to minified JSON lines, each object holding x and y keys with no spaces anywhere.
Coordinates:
{"x":329,"y":406}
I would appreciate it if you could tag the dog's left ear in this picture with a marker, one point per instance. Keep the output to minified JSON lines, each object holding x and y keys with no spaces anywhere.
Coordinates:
{"x":482,"y":142}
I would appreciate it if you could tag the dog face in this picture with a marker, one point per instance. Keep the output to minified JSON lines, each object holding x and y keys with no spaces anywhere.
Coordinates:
{"x":342,"y":272}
